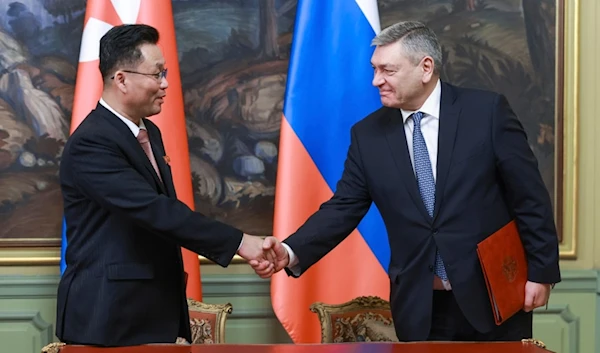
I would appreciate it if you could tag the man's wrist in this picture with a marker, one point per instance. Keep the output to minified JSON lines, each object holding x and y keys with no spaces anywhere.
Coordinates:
{"x":292,"y":258}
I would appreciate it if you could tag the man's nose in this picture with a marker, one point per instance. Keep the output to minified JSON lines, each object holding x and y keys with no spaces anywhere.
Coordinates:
{"x":377,"y":80}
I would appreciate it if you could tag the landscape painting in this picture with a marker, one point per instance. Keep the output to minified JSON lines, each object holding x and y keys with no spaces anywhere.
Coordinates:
{"x":233,"y":59}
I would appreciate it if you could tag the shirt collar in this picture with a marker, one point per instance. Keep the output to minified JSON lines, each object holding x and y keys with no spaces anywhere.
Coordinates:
{"x":431,"y":106}
{"x":135,"y":129}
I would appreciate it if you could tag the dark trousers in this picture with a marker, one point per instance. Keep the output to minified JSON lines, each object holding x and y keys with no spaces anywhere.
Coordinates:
{"x":449,"y":324}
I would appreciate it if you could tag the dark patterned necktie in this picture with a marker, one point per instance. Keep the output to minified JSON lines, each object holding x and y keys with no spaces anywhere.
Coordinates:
{"x":425,"y":180}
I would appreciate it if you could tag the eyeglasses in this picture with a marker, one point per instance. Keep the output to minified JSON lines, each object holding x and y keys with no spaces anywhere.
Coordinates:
{"x":158,"y":76}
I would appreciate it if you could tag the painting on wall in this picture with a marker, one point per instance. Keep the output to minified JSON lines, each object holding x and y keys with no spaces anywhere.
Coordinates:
{"x":39,"y":42}
{"x":233,"y":59}
{"x":233,"y":67}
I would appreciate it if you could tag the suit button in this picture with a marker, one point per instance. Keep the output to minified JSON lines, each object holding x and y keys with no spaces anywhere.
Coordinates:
{"x":431,"y":268}
{"x":435,"y":231}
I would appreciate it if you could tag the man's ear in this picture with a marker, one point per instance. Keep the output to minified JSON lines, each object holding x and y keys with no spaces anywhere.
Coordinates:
{"x":428,"y":67}
{"x":120,"y":80}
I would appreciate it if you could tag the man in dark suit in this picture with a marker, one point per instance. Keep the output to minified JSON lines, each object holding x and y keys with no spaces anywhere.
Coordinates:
{"x":446,"y":167}
{"x":124,"y":282}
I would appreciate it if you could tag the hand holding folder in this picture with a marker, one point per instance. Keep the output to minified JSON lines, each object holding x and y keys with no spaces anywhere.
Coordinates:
{"x":504,"y":266}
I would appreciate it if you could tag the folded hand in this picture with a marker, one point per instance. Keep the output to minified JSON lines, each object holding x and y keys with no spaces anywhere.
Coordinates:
{"x":536,"y":295}
{"x":260,"y":259}
{"x":265,"y":256}
{"x":281,"y":258}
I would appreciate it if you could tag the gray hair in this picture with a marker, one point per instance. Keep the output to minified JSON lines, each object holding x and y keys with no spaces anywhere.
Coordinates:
{"x":417,"y":41}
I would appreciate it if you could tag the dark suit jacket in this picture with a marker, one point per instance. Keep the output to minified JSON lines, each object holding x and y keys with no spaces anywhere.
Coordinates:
{"x":124,"y":279}
{"x":486,"y":175}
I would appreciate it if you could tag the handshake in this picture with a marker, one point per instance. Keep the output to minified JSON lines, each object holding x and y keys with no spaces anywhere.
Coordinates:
{"x":266,"y":256}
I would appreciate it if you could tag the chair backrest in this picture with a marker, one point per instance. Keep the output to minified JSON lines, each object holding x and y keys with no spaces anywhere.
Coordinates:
{"x":207,"y":321}
{"x":363,"y":319}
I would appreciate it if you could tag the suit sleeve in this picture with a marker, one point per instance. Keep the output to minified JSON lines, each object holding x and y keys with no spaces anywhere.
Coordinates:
{"x":104,"y":174}
{"x":337,"y":217}
{"x":526,"y":193}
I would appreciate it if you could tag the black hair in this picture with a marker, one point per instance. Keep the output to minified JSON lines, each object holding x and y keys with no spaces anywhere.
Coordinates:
{"x":120,"y":47}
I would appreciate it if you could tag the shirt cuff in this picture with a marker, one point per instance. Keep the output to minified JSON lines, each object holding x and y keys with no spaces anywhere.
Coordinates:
{"x":293,"y":265}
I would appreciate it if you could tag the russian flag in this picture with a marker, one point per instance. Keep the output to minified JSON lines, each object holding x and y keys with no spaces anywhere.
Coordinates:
{"x":328,"y":90}
{"x":100,"y":17}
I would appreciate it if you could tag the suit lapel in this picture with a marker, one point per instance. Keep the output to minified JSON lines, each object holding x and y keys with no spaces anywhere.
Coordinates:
{"x":396,"y":139}
{"x":159,"y":155}
{"x":449,"y":113}
{"x":133,"y":145}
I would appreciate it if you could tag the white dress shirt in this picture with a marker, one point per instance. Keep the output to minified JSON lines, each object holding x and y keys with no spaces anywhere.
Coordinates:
{"x":135,"y":129}
{"x":430,"y":126}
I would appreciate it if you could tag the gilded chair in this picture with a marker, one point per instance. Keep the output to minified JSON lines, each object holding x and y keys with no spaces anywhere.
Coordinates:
{"x":53,"y":347}
{"x":533,"y":341}
{"x":363,"y":319}
{"x":207,"y":321}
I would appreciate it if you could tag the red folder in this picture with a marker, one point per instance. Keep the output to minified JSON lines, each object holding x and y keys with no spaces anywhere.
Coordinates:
{"x":504,"y":266}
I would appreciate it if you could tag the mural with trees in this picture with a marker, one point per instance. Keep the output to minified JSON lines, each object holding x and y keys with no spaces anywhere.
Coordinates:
{"x":233,"y":59}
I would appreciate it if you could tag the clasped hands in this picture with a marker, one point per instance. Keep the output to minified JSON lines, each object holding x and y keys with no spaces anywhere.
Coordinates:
{"x":266,"y":256}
